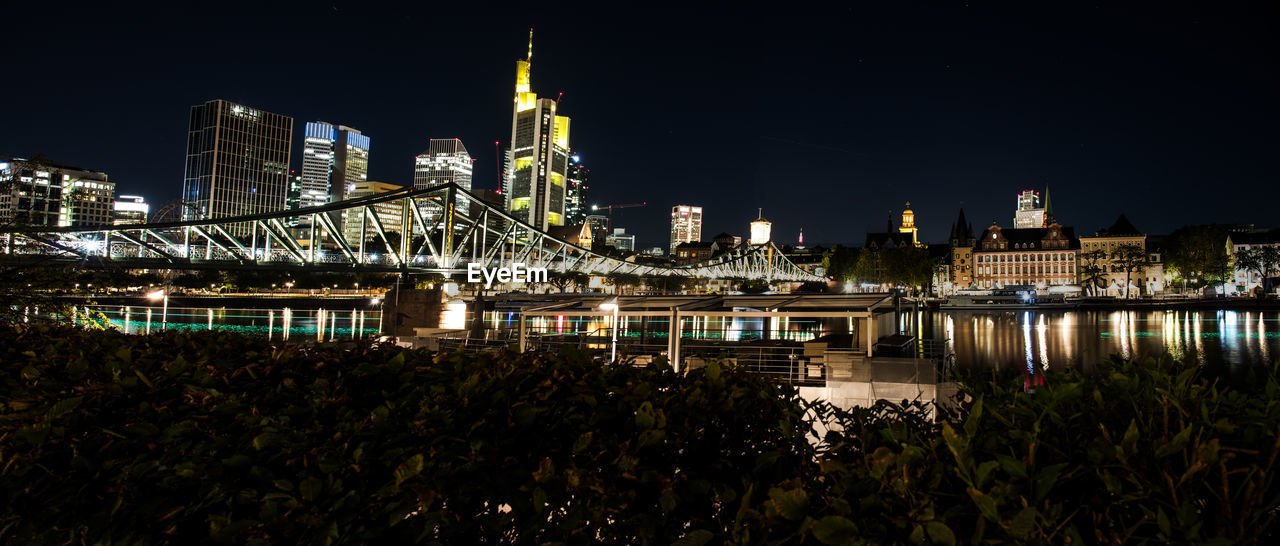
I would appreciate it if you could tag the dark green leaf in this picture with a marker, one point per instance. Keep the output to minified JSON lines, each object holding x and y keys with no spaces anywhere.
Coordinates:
{"x":834,"y":530}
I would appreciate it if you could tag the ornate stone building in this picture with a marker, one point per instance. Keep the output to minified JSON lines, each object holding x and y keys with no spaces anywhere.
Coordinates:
{"x":1039,"y":257}
{"x":1146,"y":280}
{"x":960,"y":260}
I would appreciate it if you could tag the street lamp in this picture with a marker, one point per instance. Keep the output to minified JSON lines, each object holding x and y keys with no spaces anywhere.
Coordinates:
{"x":611,"y":305}
{"x":161,"y":294}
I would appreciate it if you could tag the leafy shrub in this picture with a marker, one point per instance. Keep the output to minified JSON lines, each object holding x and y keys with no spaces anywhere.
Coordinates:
{"x":1141,"y":451}
{"x":177,"y":437}
{"x":183,"y":437}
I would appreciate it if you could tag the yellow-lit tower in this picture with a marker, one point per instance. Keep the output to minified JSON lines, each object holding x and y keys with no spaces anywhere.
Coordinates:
{"x":909,"y":224}
{"x":538,"y":158}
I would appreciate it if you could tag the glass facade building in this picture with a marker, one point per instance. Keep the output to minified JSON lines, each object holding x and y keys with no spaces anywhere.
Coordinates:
{"x":237,"y":162}
{"x":317,"y":164}
{"x":686,"y":225}
{"x":350,"y":162}
{"x":535,"y":170}
{"x":1029,"y":213}
{"x":575,"y":198}
{"x":334,"y":159}
{"x":446,"y":160}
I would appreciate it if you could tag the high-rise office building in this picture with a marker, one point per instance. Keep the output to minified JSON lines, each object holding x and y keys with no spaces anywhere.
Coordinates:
{"x":686,"y":225}
{"x":446,"y":160}
{"x":538,"y":158}
{"x":293,"y":196}
{"x":575,"y":197}
{"x":41,"y":193}
{"x":1029,"y":213}
{"x":334,"y":159}
{"x":350,"y":162}
{"x":317,"y":164}
{"x":390,"y":213}
{"x":237,"y":162}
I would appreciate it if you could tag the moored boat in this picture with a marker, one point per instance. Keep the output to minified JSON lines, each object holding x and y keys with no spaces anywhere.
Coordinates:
{"x":1010,"y":298}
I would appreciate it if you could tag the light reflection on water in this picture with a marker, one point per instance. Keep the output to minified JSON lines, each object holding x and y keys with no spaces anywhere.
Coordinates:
{"x":711,"y":328}
{"x":285,"y":323}
{"x":1055,"y":339}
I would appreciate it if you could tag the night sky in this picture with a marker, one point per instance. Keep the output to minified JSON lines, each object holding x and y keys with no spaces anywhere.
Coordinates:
{"x":827,"y":117}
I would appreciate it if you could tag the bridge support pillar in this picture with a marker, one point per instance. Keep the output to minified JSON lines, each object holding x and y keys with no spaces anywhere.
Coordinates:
{"x":404,"y":309}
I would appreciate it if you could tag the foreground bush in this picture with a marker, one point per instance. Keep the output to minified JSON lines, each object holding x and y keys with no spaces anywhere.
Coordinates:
{"x":177,"y":437}
{"x":1142,"y":451}
{"x":180,"y":438}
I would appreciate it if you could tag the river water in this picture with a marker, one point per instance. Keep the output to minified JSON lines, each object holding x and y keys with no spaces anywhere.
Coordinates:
{"x":1059,"y":339}
{"x":979,"y":339}
{"x":283,"y":323}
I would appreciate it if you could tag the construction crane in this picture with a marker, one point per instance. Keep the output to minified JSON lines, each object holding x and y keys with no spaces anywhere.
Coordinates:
{"x":611,"y":208}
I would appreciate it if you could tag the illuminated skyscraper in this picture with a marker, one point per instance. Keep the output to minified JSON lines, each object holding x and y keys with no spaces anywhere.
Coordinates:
{"x":237,"y":161}
{"x":535,"y":170}
{"x":317,"y":164}
{"x":350,"y":162}
{"x":686,"y":225}
{"x":293,"y":196}
{"x":1029,"y":213}
{"x":575,"y":199}
{"x":334,"y":158}
{"x":446,"y":160}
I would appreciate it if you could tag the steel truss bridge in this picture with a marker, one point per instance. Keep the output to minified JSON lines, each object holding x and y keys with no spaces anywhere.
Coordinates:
{"x":436,"y":238}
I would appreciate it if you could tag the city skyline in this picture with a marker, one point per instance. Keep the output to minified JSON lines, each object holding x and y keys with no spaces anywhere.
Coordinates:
{"x":1133,"y":113}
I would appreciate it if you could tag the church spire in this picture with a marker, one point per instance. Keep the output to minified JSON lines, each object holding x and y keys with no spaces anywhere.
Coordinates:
{"x":1048,"y":209}
{"x":962,"y":230}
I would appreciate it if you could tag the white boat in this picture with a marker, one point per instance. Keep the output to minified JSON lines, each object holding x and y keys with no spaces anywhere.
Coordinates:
{"x":1008,"y":298}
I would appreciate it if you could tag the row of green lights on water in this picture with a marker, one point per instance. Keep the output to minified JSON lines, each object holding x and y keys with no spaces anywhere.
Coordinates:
{"x":202,"y":316}
{"x":139,"y":325}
